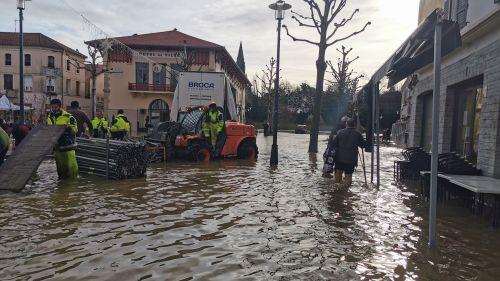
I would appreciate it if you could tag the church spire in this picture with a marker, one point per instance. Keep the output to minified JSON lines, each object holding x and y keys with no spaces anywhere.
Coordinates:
{"x":240,"y":61}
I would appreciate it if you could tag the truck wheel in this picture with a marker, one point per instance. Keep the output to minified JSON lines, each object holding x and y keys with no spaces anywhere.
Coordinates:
{"x":199,"y":151}
{"x":248,"y":150}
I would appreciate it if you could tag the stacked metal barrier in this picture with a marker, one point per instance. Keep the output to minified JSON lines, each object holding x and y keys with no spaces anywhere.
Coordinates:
{"x":112,"y":159}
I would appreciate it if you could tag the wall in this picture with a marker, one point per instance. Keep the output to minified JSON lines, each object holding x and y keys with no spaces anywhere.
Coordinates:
{"x":478,"y":9}
{"x":38,"y":98}
{"x":427,"y":7}
{"x":480,"y":57}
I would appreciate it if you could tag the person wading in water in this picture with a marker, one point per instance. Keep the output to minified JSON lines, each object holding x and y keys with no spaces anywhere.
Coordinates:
{"x":347,"y":141}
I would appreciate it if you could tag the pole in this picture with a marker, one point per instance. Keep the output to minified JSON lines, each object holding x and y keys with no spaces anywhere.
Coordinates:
{"x":377,"y":106}
{"x":94,"y":92}
{"x":21,"y":67}
{"x":435,"y":132}
{"x":372,"y":163}
{"x":107,"y":156}
{"x":362,"y":156}
{"x":274,"y":149}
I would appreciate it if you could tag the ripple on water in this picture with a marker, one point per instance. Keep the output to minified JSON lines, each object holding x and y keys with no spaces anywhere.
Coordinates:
{"x":236,"y":220}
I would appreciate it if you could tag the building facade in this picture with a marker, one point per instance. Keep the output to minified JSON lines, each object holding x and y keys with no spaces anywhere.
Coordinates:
{"x":142,"y":73}
{"x":470,"y":90}
{"x":51,"y":70}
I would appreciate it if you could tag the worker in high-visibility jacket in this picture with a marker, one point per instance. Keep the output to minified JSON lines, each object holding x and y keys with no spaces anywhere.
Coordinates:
{"x":64,"y":152}
{"x":100,"y":126}
{"x":120,"y":126}
{"x":213,"y":124}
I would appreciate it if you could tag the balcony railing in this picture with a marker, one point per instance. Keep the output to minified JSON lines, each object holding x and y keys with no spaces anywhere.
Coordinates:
{"x":138,"y":87}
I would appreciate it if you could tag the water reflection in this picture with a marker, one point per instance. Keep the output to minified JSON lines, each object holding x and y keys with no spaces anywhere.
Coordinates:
{"x":236,"y":220}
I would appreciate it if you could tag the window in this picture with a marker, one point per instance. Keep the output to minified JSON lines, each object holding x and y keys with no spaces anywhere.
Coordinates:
{"x":8,"y":59}
{"x":27,"y":60}
{"x":68,"y":86}
{"x":141,"y":73}
{"x":68,"y":65}
{"x":51,"y":63}
{"x":8,"y":82}
{"x":160,"y":78}
{"x":28,"y":83}
{"x":50,"y":84}
{"x":176,"y":68}
{"x":78,"y":88}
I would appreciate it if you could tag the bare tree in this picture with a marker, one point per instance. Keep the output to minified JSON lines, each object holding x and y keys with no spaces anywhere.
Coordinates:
{"x":267,"y":83}
{"x":95,"y":54}
{"x":322,"y":18}
{"x":184,"y":62}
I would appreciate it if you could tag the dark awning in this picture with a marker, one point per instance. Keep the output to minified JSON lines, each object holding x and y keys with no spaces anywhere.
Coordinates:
{"x":418,"y":50}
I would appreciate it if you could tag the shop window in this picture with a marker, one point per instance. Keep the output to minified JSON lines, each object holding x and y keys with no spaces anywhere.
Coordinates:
{"x":8,"y":59}
{"x":51,"y":62}
{"x":467,"y":121}
{"x":27,"y":60}
{"x":8,"y":82}
{"x":141,"y":73}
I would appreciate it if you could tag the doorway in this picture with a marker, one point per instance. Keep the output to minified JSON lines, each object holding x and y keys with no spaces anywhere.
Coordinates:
{"x":158,"y":112}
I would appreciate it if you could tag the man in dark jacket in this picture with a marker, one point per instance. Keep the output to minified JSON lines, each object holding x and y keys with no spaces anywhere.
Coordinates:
{"x":347,"y":142}
{"x":81,"y":118}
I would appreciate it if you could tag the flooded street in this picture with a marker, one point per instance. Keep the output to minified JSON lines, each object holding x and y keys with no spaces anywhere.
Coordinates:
{"x":238,"y":220}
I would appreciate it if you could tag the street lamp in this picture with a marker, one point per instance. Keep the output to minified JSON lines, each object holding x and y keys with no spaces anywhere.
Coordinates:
{"x":279,"y":7}
{"x":21,"y":6}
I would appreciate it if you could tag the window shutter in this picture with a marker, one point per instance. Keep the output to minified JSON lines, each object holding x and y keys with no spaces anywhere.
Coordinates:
{"x":462,"y":7}
{"x":447,"y":10}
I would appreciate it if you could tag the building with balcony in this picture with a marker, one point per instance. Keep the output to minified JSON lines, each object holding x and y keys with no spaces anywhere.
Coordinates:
{"x":141,"y":73}
{"x":470,"y":88}
{"x":51,"y":70}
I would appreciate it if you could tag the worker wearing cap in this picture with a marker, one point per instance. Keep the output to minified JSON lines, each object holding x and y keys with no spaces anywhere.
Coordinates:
{"x":100,"y":125}
{"x":120,"y":126}
{"x":213,"y":123}
{"x":67,"y":167}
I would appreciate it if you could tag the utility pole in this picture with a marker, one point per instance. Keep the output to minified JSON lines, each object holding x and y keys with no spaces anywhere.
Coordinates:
{"x":20,"y":6}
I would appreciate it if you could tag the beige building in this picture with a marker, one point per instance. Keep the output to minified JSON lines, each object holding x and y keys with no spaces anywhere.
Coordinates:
{"x":144,"y":90}
{"x":51,"y":70}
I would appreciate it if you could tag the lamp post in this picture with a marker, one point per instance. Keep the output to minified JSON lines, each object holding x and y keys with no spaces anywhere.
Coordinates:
{"x":20,"y":6}
{"x":279,"y":7}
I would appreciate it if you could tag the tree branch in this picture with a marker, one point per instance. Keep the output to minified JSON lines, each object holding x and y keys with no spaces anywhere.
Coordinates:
{"x":299,"y":39}
{"x":349,"y":36}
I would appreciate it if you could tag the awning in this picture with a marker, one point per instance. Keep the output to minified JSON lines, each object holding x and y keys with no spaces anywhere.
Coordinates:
{"x":6,"y":105}
{"x":418,"y":50}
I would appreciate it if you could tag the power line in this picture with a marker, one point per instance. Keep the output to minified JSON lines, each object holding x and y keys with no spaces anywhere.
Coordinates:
{"x":97,"y":32}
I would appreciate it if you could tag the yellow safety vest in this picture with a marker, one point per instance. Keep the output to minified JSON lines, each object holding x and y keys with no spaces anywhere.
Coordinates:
{"x":67,"y":141}
{"x":120,"y":124}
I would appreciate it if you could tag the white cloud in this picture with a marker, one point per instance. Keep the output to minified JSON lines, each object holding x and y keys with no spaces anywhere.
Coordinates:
{"x":225,"y":22}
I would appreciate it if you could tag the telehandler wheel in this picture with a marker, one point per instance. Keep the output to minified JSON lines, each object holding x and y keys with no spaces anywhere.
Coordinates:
{"x":248,"y":150}
{"x":199,"y":151}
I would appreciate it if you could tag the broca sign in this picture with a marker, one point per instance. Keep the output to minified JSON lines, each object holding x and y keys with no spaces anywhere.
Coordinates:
{"x":201,"y":85}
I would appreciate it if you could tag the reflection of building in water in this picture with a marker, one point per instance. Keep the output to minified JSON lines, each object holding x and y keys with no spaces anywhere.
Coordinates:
{"x":470,"y":89}
{"x":143,"y":82}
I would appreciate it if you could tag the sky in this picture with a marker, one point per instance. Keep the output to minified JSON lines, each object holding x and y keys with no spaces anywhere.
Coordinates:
{"x":225,"y":22}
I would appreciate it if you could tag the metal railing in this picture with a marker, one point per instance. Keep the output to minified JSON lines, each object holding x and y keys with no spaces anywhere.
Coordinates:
{"x":150,"y":87}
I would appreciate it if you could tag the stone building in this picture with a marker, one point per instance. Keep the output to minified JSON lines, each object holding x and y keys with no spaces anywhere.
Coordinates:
{"x":134,"y":82}
{"x":470,"y":88}
{"x":51,"y":70}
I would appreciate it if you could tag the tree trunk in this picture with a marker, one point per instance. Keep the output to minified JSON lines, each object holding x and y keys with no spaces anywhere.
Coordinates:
{"x":320,"y":79}
{"x":94,"y":78}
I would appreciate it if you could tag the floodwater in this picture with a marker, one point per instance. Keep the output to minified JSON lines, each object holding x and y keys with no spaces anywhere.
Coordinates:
{"x":235,"y":220}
